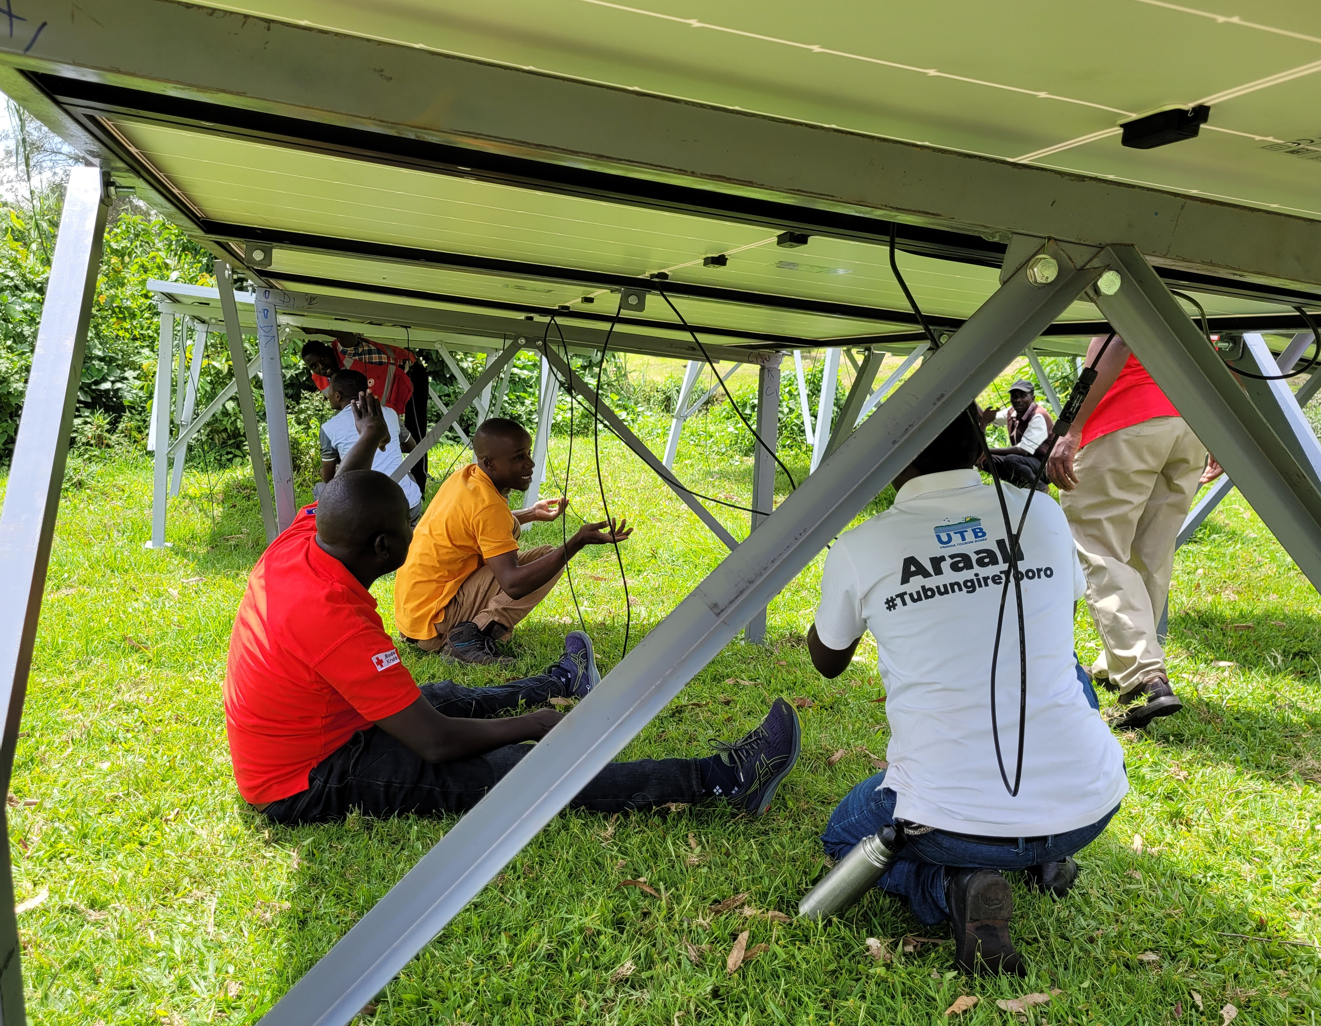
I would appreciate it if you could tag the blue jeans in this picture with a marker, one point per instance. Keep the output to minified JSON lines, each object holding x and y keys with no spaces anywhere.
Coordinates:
{"x":919,"y":873}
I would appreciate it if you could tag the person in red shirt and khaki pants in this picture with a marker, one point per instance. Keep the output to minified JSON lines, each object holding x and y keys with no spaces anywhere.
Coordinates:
{"x":1127,"y":472}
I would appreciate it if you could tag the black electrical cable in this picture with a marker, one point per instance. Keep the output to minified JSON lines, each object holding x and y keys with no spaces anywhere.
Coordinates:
{"x":894,"y":267}
{"x":793,"y":485}
{"x":1307,"y":366}
{"x":568,"y":470}
{"x":600,"y":484}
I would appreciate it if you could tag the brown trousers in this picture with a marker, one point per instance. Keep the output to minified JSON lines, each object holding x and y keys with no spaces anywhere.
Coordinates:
{"x":480,"y":600}
{"x":1135,"y":486}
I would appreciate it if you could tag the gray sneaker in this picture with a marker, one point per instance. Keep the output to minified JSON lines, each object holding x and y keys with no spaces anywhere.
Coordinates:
{"x":579,"y":662}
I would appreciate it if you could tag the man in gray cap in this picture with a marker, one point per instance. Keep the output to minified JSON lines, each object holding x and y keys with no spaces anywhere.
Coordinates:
{"x":1029,"y":429}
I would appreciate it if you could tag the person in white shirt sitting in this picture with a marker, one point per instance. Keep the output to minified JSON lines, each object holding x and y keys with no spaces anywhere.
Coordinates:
{"x":339,"y":433}
{"x":1029,"y":428}
{"x":926,"y":577}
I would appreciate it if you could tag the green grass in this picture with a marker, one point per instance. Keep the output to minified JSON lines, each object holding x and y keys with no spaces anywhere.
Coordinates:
{"x":170,"y":902}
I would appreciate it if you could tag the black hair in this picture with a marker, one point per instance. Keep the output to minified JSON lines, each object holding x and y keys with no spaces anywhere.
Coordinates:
{"x":955,"y":448}
{"x":313,"y":345}
{"x":348,"y":382}
{"x":358,"y":505}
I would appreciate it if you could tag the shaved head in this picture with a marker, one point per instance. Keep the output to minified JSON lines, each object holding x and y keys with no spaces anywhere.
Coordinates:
{"x":497,"y":433}
{"x":504,"y":451}
{"x":357,"y":508}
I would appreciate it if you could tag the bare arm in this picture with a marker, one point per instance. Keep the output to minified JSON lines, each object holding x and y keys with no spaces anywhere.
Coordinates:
{"x":541,"y":512}
{"x":435,"y":737}
{"x":519,"y":580}
{"x":829,"y":662}
{"x":1059,"y":468}
{"x":373,"y":433}
{"x":328,"y":470}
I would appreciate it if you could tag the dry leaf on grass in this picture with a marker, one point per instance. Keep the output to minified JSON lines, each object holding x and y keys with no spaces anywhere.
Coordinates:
{"x":174,"y":593}
{"x":1222,"y":663}
{"x":740,"y":680}
{"x":32,"y":902}
{"x":879,"y":701}
{"x":1178,"y":1009}
{"x":879,"y":948}
{"x":368,"y":1009}
{"x":561,"y":702}
{"x":136,"y":644}
{"x":676,"y":806}
{"x":232,"y":988}
{"x":1197,"y":999}
{"x":837,"y":756}
{"x":1138,"y":843}
{"x":1148,"y":956}
{"x":627,"y":969}
{"x":693,"y":951}
{"x":1135,"y":874}
{"x":608,"y":834}
{"x":170,"y":817}
{"x":692,"y":841}
{"x":1020,"y":1005}
{"x":192,"y":580}
{"x":737,"y":953}
{"x":641,"y":885}
{"x":803,"y":703}
{"x":911,"y":944}
{"x":1178,"y":772}
{"x":1242,"y":627}
{"x":755,"y":950}
{"x":719,"y":908}
{"x":1228,"y":1014}
{"x":962,"y":1004}
{"x":771,"y":914}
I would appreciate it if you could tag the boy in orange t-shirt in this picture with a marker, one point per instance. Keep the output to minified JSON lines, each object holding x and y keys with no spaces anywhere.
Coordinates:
{"x":465,"y":583}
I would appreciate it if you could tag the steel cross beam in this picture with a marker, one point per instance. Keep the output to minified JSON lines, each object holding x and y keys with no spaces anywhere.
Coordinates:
{"x":763,"y":471}
{"x":645,"y":681}
{"x":243,"y":389}
{"x":179,"y":449}
{"x":1204,"y":390}
{"x":277,"y":420}
{"x":570,"y":378}
{"x":489,"y":373}
{"x":159,"y":441}
{"x":32,"y":498}
{"x":856,"y":399}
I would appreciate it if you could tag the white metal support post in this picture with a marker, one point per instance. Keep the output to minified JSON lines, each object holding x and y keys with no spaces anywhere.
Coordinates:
{"x":644,"y":682}
{"x":435,"y":400}
{"x":179,"y":449}
{"x":809,"y":432}
{"x":864,"y":376}
{"x":181,"y":378}
{"x":825,"y":407}
{"x":243,"y":390}
{"x":1207,"y":395}
{"x":277,"y":421}
{"x":547,"y":398}
{"x":890,"y":382}
{"x":690,"y":376}
{"x":32,"y":499}
{"x":160,"y":421}
{"x":763,"y":469}
{"x":1034,"y":361}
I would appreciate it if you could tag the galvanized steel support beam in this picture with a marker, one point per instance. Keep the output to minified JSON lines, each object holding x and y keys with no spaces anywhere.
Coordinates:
{"x":645,"y":681}
{"x":1047,"y":385}
{"x":27,"y":523}
{"x":763,"y":470}
{"x":859,"y":392}
{"x":891,"y":381}
{"x":179,"y":448}
{"x":1216,"y":407}
{"x":690,"y":375}
{"x":159,"y":442}
{"x":494,"y":365}
{"x":243,"y":390}
{"x":277,"y":420}
{"x":547,"y":398}
{"x":626,"y":435}
{"x":825,"y":406}
{"x":804,"y":402}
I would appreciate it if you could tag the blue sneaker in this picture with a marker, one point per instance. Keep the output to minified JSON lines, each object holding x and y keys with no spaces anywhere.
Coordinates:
{"x":762,"y":758}
{"x":579,"y":663}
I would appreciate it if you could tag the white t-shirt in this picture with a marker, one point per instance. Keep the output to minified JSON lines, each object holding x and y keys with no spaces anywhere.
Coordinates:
{"x":1035,"y":433}
{"x":924,"y":577}
{"x":340,"y":434}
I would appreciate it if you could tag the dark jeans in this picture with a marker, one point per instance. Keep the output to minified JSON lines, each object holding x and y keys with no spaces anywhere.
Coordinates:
{"x":919,"y":873}
{"x":1020,"y":469}
{"x":415,"y":416}
{"x":381,"y":777}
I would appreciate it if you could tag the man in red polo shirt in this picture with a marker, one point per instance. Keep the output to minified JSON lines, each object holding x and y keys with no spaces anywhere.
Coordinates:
{"x":1128,"y":471}
{"x":323,"y":717}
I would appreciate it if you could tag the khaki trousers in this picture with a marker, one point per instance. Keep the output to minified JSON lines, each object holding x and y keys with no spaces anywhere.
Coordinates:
{"x":480,"y":600}
{"x":1135,"y":487}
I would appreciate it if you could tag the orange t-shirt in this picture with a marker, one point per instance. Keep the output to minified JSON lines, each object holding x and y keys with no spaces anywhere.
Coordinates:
{"x":467,"y":523}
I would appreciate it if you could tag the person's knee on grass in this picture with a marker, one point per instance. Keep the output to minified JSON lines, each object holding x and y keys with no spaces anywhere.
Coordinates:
{"x":466,"y":584}
{"x":926,"y":578}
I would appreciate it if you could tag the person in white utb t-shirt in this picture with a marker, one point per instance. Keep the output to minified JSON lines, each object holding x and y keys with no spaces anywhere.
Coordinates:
{"x":925,"y":577}
{"x":339,"y":434}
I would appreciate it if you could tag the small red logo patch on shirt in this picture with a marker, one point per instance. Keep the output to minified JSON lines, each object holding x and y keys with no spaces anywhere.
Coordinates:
{"x":384,"y":660}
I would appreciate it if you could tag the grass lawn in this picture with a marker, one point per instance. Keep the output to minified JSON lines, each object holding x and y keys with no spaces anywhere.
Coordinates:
{"x":167,"y":901}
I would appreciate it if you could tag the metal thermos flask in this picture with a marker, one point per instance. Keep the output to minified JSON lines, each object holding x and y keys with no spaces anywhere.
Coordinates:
{"x":853,"y":875}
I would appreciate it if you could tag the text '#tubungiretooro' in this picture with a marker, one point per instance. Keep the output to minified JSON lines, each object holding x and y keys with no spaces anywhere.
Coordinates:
{"x":969,"y":562}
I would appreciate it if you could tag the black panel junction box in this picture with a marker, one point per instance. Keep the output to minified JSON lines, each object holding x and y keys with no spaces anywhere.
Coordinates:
{"x":792,"y":240}
{"x":720,"y":260}
{"x":1165,"y":127}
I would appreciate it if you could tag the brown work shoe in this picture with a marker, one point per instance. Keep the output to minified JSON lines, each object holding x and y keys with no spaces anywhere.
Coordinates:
{"x":980,"y":905}
{"x":469,"y":644}
{"x":1153,"y":697}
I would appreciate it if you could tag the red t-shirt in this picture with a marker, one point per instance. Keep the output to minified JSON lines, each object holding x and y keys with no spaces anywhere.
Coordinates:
{"x":377,"y":374}
{"x":309,"y":664}
{"x":1132,"y":399}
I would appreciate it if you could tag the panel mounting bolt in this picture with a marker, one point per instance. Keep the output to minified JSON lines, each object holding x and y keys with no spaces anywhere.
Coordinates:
{"x":1108,"y":284}
{"x":1042,"y":269}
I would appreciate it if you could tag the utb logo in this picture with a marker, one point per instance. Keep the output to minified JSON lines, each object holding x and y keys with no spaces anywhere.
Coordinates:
{"x":965,"y":532}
